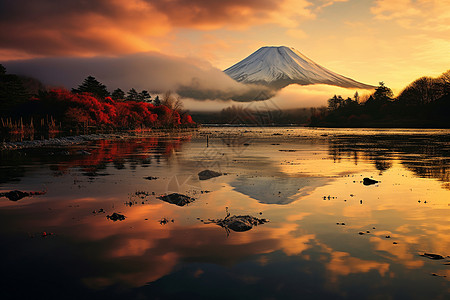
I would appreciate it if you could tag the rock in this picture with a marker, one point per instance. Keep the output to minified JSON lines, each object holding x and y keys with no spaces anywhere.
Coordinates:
{"x":177,"y":199}
{"x":208,"y":174}
{"x":17,"y":195}
{"x":432,"y":256}
{"x":437,"y":275}
{"x":164,"y":221}
{"x":369,"y":181}
{"x":116,"y":217}
{"x":243,"y":223}
{"x":238,"y":223}
{"x":151,"y":178}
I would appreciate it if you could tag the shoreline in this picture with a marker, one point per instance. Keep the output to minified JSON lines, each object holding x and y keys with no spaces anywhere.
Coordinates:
{"x":80,"y":139}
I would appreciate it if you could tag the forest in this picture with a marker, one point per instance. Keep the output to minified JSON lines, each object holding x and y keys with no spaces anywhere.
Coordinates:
{"x":424,"y":103}
{"x":26,"y":105}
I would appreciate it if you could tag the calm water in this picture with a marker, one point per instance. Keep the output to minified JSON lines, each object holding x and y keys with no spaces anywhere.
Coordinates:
{"x":306,"y":182}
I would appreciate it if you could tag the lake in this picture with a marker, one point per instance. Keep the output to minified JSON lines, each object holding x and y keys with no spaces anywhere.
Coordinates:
{"x":322,"y":230}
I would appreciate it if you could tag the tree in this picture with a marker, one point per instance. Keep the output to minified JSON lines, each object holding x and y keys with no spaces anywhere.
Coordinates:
{"x":93,"y":86}
{"x":132,"y":95}
{"x":144,"y":96}
{"x":172,"y":102}
{"x":118,"y":94}
{"x":422,"y":91}
{"x":348,"y":102}
{"x":13,"y":93}
{"x":333,"y":103}
{"x":157,"y":101}
{"x":444,"y":81}
{"x":382,"y":93}
{"x":356,"y":97}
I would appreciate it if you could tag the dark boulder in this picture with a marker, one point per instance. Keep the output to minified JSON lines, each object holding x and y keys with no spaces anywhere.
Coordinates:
{"x":237,"y":223}
{"x":369,"y":181}
{"x":177,"y":199}
{"x":432,"y":256}
{"x":116,"y":217}
{"x":17,"y":195}
{"x":208,"y":174}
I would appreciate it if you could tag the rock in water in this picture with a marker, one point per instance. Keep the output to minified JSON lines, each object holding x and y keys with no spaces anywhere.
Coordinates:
{"x":243,"y":223}
{"x":369,"y":181}
{"x":177,"y":199}
{"x":237,"y":223}
{"x":208,"y":174}
{"x":116,"y":217}
{"x":432,"y":256}
{"x":17,"y":195}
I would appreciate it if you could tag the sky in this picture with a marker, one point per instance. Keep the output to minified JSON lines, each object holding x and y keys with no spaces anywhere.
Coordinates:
{"x":395,"y":41}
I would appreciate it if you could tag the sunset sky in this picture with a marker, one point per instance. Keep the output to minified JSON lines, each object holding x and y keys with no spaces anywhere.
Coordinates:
{"x":395,"y":41}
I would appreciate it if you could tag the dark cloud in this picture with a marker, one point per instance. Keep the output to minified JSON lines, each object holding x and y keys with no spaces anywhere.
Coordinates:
{"x":189,"y":77}
{"x":207,"y":12}
{"x":94,"y":27}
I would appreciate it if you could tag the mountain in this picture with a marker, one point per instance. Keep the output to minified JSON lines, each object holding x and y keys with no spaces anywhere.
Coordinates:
{"x":278,"y":67}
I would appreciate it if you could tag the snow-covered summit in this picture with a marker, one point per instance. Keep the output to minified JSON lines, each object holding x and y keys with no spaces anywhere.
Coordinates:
{"x":280,"y":66}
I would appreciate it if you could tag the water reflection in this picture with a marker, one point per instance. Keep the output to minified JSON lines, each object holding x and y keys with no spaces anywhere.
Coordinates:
{"x":428,"y":156}
{"x":91,"y":158}
{"x":301,"y":252}
{"x":277,"y":190}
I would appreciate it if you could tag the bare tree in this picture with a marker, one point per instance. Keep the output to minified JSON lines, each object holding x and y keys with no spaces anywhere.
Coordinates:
{"x":444,"y":82}
{"x":172,"y":101}
{"x":422,"y":91}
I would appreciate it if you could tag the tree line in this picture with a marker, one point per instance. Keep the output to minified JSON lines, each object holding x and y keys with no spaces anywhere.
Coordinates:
{"x":423,"y":103}
{"x":27,"y":101}
{"x":96,"y":88}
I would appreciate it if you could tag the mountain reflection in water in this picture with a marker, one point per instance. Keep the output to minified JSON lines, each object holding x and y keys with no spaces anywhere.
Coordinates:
{"x":328,"y":235}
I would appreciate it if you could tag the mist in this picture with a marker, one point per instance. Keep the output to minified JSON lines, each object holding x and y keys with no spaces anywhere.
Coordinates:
{"x":188,"y":77}
{"x":290,"y":97}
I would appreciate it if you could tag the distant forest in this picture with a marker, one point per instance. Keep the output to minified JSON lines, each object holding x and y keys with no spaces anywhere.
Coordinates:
{"x":425,"y":103}
{"x":26,"y":105}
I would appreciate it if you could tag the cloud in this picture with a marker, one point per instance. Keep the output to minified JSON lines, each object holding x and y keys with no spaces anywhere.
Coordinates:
{"x":325,"y":3}
{"x":88,"y":28}
{"x":291,"y":97}
{"x":295,"y":96}
{"x":296,"y":33}
{"x":432,"y":15}
{"x":189,"y":77}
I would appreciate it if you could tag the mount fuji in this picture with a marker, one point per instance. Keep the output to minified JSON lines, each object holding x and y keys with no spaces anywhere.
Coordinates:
{"x":278,"y":67}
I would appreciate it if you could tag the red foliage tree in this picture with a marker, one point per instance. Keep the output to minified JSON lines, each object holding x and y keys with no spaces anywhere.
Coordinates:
{"x":79,"y":109}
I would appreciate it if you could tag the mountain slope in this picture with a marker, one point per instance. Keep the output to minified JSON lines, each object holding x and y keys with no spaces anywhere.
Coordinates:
{"x":278,"y":67}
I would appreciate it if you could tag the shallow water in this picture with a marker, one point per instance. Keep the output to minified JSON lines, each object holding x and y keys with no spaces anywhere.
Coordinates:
{"x":306,"y":182}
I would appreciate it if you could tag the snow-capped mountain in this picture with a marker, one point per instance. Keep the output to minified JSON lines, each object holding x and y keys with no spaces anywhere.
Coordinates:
{"x":281,"y":66}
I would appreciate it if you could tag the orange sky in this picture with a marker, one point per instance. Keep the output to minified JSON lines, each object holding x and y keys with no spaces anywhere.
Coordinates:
{"x":367,"y":40}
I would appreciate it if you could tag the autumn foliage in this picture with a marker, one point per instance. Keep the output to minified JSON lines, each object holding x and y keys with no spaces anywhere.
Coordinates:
{"x":74,"y":110}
